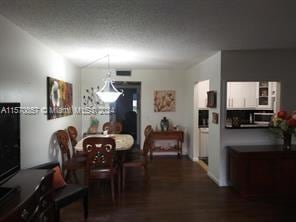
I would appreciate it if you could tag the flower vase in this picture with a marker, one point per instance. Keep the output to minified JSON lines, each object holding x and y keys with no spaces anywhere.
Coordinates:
{"x":287,"y":138}
{"x":164,"y":124}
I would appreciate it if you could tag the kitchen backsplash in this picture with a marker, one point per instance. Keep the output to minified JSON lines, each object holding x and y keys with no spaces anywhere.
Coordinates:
{"x":238,"y":117}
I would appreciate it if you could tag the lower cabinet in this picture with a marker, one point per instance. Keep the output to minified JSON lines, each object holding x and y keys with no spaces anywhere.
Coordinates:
{"x":203,"y":142}
{"x":262,"y":171}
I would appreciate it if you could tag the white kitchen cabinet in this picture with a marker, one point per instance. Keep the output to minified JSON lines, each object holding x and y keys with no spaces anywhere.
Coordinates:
{"x":264,"y":94}
{"x":241,"y":95}
{"x":252,"y":95}
{"x":203,"y":142}
{"x":275,"y":96}
{"x":203,"y":88}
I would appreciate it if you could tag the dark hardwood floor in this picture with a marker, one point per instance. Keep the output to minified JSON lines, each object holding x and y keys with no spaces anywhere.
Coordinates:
{"x":178,"y":190}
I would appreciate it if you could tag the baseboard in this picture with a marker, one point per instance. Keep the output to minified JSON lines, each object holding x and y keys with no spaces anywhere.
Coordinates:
{"x":224,"y":184}
{"x":165,"y":154}
{"x":213,"y":178}
{"x":203,"y":165}
{"x":195,"y":159}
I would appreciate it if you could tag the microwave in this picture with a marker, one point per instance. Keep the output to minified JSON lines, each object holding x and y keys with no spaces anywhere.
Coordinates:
{"x":263,"y":118}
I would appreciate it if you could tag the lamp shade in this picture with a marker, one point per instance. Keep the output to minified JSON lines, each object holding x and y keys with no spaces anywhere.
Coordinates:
{"x":108,"y":94}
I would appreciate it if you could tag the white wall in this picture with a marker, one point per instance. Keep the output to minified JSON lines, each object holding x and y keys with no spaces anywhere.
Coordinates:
{"x":210,"y":69}
{"x":254,"y":65}
{"x":24,"y":65}
{"x":150,"y":80}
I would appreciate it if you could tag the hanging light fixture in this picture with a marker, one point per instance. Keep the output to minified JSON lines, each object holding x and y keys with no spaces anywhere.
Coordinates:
{"x":108,"y":94}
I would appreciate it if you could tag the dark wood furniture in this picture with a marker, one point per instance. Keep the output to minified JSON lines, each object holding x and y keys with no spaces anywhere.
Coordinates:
{"x":69,"y":164}
{"x":101,"y":161}
{"x":178,"y":136}
{"x":138,"y":159}
{"x":68,"y":194}
{"x":73,"y":134}
{"x":113,"y":127}
{"x":262,"y":170}
{"x":33,"y":198}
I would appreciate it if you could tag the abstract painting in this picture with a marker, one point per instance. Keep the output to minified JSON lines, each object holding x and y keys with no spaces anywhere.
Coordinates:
{"x":59,"y":98}
{"x":164,"y":101}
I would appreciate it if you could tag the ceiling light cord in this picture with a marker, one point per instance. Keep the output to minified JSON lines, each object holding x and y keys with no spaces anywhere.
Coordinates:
{"x":109,"y":72}
{"x":95,"y":61}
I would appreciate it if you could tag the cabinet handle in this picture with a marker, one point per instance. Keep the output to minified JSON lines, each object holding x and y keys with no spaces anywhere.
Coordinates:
{"x":232,"y":102}
{"x":245,"y":102}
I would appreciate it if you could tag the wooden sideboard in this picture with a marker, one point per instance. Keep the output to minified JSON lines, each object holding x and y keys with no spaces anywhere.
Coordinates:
{"x":177,"y":136}
{"x":33,"y":198}
{"x":262,"y":170}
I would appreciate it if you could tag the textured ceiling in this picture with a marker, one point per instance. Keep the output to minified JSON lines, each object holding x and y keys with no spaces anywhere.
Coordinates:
{"x":154,"y":33}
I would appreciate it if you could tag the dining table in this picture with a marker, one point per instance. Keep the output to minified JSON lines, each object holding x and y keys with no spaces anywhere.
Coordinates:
{"x":123,"y":142}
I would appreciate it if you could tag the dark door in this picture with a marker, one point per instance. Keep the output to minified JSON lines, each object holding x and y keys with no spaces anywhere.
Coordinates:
{"x":127,"y":108}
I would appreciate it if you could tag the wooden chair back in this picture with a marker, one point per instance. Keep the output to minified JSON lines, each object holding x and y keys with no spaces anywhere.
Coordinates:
{"x":100,"y":152}
{"x":63,"y":141}
{"x":148,"y":129}
{"x":73,"y":133}
{"x":147,"y":145}
{"x":113,"y":127}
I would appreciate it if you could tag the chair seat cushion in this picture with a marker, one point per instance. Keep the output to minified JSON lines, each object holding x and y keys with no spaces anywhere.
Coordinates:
{"x":68,"y":194}
{"x":103,"y":172}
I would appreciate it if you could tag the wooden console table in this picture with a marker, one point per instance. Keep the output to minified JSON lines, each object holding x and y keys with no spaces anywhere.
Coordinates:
{"x":178,"y":136}
{"x":262,"y":170}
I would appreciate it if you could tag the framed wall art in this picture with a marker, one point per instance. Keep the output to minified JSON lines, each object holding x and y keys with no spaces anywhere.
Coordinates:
{"x":215,"y":118}
{"x":59,"y":98}
{"x":212,"y":99}
{"x":164,"y":101}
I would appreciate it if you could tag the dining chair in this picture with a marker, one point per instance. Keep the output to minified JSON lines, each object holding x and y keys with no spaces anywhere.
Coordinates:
{"x":139,"y":159}
{"x":101,"y":162}
{"x":113,"y":127}
{"x":73,"y":133}
{"x":148,"y":129}
{"x":69,"y":164}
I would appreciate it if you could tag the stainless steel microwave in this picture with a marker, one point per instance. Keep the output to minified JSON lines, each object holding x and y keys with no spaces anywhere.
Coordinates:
{"x":263,"y":118}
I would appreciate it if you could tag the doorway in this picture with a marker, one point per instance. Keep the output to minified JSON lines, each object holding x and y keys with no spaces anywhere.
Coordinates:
{"x":127,"y":109}
{"x":201,"y":123}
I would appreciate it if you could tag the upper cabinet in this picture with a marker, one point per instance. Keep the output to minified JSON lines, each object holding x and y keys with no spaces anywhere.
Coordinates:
{"x":264,"y":95}
{"x":241,"y":95}
{"x":251,"y":95}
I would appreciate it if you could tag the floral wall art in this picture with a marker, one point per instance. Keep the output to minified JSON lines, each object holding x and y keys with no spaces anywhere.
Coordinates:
{"x":59,"y":98}
{"x":164,"y":101}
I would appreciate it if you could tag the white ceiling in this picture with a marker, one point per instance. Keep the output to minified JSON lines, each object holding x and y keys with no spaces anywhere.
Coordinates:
{"x":154,"y":33}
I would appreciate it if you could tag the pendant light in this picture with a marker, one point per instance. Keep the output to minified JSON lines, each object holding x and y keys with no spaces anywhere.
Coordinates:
{"x":108,"y":94}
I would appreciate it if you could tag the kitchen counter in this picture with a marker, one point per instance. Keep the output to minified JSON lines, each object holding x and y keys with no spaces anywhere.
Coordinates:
{"x":248,"y":126}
